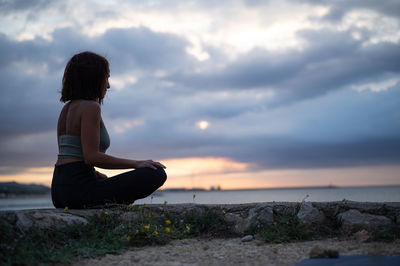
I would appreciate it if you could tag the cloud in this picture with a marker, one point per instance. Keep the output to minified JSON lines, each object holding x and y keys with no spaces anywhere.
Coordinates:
{"x":331,"y":61}
{"x":9,"y":6}
{"x":292,"y":108}
{"x":340,"y":130}
{"x":33,"y":69}
{"x":338,"y":9}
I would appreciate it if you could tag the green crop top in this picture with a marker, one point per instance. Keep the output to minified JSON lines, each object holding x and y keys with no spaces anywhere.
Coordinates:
{"x":71,"y":146}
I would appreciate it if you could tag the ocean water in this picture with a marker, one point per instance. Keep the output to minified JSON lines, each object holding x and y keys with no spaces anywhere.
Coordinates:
{"x":363,"y":194}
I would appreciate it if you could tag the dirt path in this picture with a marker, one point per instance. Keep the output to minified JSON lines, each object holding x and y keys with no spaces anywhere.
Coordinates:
{"x":235,"y":252}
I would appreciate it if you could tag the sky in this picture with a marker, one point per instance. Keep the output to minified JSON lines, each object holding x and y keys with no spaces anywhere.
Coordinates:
{"x":240,"y":94}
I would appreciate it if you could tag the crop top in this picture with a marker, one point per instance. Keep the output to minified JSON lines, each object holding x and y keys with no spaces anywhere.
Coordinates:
{"x":71,"y":146}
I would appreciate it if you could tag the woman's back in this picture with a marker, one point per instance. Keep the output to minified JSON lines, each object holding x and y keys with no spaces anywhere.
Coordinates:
{"x":69,"y":121}
{"x":69,"y":131}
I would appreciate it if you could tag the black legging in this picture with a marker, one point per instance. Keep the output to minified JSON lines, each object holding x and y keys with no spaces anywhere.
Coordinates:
{"x":76,"y":185}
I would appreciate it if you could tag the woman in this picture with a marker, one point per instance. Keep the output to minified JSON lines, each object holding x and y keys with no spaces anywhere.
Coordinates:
{"x":83,"y":140}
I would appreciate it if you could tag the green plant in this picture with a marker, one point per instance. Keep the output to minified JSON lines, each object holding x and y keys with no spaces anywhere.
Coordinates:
{"x":207,"y":221}
{"x":389,"y":233}
{"x":103,"y":234}
{"x":285,"y":228}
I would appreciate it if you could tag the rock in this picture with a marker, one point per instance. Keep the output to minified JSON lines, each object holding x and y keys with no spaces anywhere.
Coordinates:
{"x":260,"y":216}
{"x":319,"y":252}
{"x":354,"y":216}
{"x":239,"y":224}
{"x":86,"y":212}
{"x":46,"y":219}
{"x":309,"y":216}
{"x":353,"y":220}
{"x":247,"y":238}
{"x":23,"y":221}
{"x":362,"y":236}
{"x":129,"y":216}
{"x":286,"y":208}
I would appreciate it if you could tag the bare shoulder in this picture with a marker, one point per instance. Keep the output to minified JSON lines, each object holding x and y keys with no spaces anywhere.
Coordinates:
{"x":92,"y":106}
{"x":91,"y":112}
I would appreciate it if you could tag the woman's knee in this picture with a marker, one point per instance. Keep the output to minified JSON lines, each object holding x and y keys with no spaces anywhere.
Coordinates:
{"x":154,"y":178}
{"x":161,"y":176}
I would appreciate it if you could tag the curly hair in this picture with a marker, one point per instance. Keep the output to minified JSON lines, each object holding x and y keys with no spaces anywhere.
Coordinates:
{"x":85,"y":77}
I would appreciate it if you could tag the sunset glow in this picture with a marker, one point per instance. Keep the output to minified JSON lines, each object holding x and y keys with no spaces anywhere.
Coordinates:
{"x":207,"y":172}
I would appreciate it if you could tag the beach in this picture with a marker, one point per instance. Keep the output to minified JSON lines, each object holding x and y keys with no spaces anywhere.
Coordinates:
{"x":235,"y":252}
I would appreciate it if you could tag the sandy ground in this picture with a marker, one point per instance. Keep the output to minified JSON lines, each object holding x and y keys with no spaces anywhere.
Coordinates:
{"x":234,"y":252}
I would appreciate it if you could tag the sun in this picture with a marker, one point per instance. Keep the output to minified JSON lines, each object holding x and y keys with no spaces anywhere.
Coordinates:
{"x":203,"y":124}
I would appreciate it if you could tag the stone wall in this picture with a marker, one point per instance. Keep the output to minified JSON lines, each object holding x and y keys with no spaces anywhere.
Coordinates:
{"x":349,"y":216}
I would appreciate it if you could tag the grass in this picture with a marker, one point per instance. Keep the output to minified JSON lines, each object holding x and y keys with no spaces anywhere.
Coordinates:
{"x":208,"y":222}
{"x":390,"y":233}
{"x":104,"y":234}
{"x":286,"y":228}
{"x":47,"y":246}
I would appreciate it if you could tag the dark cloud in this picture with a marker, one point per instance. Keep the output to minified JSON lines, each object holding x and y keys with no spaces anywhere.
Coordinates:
{"x":7,"y":6}
{"x":145,"y":49}
{"x":331,"y":61}
{"x":284,"y":153}
{"x":337,"y":9}
{"x":36,"y":93}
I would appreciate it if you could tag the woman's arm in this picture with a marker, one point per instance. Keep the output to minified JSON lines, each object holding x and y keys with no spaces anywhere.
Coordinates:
{"x":90,"y":137}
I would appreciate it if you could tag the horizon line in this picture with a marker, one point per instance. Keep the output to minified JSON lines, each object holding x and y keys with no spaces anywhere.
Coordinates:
{"x":270,"y":188}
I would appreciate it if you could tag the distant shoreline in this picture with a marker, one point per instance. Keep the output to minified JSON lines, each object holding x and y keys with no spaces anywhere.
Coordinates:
{"x":13,"y":189}
{"x":272,"y":188}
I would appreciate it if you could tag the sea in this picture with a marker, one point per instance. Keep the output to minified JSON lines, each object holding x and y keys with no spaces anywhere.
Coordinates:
{"x":316,"y":194}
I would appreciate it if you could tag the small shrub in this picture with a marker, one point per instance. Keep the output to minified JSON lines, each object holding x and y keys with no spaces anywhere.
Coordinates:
{"x":285,"y":228}
{"x":390,"y":233}
{"x":207,"y":221}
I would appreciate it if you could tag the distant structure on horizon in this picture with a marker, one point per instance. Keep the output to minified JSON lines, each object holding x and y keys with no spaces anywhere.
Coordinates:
{"x":213,"y":188}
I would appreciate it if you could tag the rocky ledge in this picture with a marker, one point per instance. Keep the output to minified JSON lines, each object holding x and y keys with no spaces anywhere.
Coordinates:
{"x":347,"y":216}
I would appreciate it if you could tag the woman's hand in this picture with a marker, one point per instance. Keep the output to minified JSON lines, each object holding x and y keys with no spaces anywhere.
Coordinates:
{"x":150,"y":164}
{"x":100,"y":175}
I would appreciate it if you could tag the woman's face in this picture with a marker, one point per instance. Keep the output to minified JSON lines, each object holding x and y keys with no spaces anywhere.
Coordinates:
{"x":106,"y":87}
{"x":107,"y":83}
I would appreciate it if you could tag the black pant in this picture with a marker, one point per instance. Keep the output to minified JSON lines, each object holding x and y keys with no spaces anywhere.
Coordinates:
{"x":76,"y":185}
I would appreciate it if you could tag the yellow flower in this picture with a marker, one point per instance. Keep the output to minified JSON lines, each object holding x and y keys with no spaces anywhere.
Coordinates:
{"x":155,"y":232}
{"x":106,"y":213}
{"x":194,"y":195}
{"x":66,"y":208}
{"x":131,"y":205}
{"x":168,"y":222}
{"x":167,"y":229}
{"x":139,"y":207}
{"x":144,"y":204}
{"x":165,"y":202}
{"x":147,"y":227}
{"x":223,"y":212}
{"x":128,"y":238}
{"x":187,"y":228}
